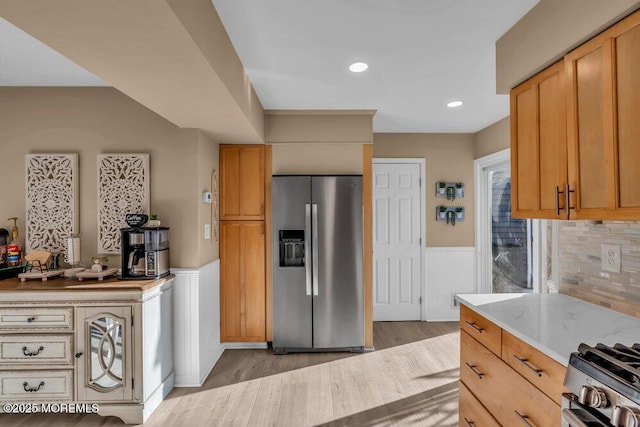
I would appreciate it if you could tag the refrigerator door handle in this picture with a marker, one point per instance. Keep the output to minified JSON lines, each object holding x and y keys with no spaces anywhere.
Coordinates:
{"x":307,"y":245}
{"x":314,"y":249}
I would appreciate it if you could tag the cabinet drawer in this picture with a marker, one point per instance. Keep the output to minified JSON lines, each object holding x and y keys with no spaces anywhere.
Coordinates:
{"x":472,"y":413}
{"x":485,"y":331}
{"x":541,"y":371}
{"x":35,"y":349}
{"x":34,"y":318}
{"x":511,"y":399}
{"x":36,"y":385}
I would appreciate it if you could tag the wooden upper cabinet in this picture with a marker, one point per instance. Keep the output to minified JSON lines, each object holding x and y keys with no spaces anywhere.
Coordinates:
{"x":538,"y":146}
{"x":603,"y":126}
{"x":626,"y":40}
{"x":590,"y":139}
{"x":241,"y":182}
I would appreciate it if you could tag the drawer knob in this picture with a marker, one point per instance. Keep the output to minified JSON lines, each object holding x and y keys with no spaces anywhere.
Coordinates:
{"x":31,"y":319}
{"x":526,"y":364}
{"x":477,"y":328}
{"x":474,"y":370}
{"x":26,"y":387}
{"x":77,"y":355}
{"x":32,"y":353}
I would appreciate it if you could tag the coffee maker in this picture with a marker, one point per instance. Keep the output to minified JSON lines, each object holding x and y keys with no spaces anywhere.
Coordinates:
{"x":144,"y":252}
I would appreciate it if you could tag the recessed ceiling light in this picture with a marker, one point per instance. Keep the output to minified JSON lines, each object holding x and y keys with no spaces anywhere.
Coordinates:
{"x":454,"y":104}
{"x":358,"y":67}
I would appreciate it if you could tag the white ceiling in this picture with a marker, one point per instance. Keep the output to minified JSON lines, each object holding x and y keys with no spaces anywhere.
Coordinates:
{"x":25,"y":61}
{"x":421,"y":55}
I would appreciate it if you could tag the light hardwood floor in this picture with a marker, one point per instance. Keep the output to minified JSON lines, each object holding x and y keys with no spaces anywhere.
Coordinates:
{"x":411,"y":379}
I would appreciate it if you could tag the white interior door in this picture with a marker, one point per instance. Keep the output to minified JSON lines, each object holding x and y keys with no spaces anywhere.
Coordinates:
{"x":397,"y":288}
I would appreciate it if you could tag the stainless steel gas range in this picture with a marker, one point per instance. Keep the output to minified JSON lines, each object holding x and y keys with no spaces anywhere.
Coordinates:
{"x":605,"y":387}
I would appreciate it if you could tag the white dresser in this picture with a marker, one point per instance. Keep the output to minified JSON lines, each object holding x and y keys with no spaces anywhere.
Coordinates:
{"x":107,"y":345}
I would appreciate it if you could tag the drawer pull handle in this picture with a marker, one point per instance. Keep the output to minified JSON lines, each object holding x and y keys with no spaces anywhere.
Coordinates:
{"x":26,"y":387}
{"x":474,"y":326}
{"x":31,"y":319}
{"x":524,"y":419}
{"x":469,"y":422}
{"x":77,"y":355}
{"x":31,"y":353}
{"x":474,"y":370}
{"x":527,"y":365}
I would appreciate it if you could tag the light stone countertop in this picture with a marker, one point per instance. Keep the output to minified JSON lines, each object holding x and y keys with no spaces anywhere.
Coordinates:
{"x":554,"y":323}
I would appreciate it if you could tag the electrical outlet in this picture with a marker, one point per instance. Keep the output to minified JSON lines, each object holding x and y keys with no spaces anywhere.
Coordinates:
{"x":610,"y":257}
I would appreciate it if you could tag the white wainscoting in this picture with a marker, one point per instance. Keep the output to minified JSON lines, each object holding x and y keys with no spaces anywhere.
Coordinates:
{"x":196,"y":311}
{"x":448,"y":271}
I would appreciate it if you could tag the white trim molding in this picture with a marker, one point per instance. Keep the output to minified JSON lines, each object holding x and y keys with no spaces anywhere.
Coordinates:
{"x":483,"y":211}
{"x":422,"y":162}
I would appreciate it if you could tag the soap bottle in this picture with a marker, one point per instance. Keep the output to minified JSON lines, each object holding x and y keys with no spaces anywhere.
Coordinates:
{"x":14,"y":249}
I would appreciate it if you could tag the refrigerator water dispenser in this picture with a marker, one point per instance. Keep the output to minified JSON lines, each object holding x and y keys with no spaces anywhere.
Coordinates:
{"x":291,"y":248}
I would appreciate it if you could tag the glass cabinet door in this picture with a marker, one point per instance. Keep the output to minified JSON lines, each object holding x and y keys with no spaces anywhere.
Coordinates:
{"x":103,"y":353}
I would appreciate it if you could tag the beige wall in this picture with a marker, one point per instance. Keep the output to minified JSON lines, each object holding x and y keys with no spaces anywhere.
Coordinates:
{"x":89,"y":121}
{"x":548,"y":31}
{"x":208,"y":162}
{"x":304,"y":126}
{"x":493,"y":138}
{"x":449,"y":157}
{"x":320,"y":158}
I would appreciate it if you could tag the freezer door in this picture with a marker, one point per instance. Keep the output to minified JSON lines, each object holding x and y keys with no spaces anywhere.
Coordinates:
{"x":291,"y":220}
{"x":338,"y":305}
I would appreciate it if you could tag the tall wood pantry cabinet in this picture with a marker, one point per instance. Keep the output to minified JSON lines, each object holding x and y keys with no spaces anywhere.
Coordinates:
{"x":242,"y":244}
{"x":600,"y":82}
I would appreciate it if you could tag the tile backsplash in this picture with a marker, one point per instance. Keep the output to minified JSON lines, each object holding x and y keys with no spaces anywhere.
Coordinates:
{"x":580,"y":272}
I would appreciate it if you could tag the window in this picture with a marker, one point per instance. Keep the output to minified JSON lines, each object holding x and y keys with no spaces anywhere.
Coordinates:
{"x":509,"y":250}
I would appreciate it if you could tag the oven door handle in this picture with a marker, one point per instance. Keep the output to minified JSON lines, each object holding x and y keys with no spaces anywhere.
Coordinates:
{"x":569,"y":416}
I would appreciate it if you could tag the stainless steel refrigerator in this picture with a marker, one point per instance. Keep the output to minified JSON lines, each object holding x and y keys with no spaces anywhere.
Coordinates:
{"x":317,"y":263}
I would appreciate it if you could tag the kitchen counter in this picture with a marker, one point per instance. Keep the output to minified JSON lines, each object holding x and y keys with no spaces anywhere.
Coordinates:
{"x":554,"y":323}
{"x":58,"y":289}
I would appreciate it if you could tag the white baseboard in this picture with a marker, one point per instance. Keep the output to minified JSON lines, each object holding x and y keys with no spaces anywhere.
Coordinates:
{"x":244,"y":345}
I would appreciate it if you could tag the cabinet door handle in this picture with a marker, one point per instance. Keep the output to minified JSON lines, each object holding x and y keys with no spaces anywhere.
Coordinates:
{"x":567,"y":204}
{"x":477,"y":328}
{"x":524,"y":419}
{"x":558,"y":193}
{"x":28,"y":389}
{"x":474,"y":370}
{"x":31,"y":353}
{"x":527,"y":365}
{"x":469,"y":422}
{"x":77,"y":355}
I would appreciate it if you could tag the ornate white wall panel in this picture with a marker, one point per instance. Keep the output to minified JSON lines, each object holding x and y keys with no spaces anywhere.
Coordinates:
{"x":51,"y":200}
{"x":449,"y":271}
{"x":196,"y":308}
{"x":123,"y":187}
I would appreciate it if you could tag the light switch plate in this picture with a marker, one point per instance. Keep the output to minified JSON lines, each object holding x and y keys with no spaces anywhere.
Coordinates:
{"x":610,"y":258}
{"x":207,"y":231}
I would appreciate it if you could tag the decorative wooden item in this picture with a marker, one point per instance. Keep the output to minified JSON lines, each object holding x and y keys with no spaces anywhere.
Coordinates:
{"x":123,"y":187}
{"x":51,"y":200}
{"x":215,"y":213}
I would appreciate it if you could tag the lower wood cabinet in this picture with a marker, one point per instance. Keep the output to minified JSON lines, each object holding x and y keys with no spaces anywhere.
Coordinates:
{"x":512,"y":385}
{"x":242,"y":281}
{"x":472,"y":413}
